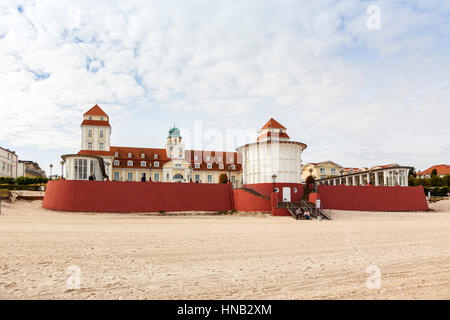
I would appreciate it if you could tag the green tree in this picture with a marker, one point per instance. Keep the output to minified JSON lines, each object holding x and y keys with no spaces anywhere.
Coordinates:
{"x":223,"y":178}
{"x":434,"y":172}
{"x":412,"y":172}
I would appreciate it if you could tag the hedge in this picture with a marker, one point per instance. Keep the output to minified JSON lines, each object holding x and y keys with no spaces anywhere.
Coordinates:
{"x":20,"y":187}
{"x":23,"y":180}
{"x":436,"y":191}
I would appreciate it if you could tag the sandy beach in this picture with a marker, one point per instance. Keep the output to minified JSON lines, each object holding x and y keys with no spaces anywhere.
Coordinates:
{"x":135,"y":256}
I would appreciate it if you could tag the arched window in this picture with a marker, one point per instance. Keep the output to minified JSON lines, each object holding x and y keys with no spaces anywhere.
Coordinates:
{"x":178,"y":177}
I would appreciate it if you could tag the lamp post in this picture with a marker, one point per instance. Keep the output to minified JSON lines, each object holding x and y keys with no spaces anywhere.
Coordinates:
{"x":107,"y":170}
{"x":229,"y":174}
{"x":150,"y":172}
{"x":51,"y":167}
{"x":62,"y":169}
{"x":274,"y":179}
{"x":191,"y":172}
{"x":342,"y":172}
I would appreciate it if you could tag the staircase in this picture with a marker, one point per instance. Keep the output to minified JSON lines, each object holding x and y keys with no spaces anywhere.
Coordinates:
{"x":305,"y":205}
{"x":256,"y":193}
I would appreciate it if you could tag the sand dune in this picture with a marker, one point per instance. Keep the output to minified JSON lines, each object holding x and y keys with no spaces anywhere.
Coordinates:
{"x":131,"y":256}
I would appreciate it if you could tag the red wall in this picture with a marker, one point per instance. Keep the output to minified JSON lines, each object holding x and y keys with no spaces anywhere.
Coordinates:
{"x":246,"y":201}
{"x":266,"y":189}
{"x":372,"y":198}
{"x":115,"y":196}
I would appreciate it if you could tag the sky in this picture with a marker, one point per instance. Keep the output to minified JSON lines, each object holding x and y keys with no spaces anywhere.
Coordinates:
{"x":362,"y":83}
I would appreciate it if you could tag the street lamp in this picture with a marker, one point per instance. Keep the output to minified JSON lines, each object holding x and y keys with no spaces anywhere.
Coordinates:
{"x":150,"y":172}
{"x":274,"y":179}
{"x":51,"y":167}
{"x":191,"y":171}
{"x":62,"y":169}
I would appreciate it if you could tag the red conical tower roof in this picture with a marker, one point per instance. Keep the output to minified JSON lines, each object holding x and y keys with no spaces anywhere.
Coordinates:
{"x":272,"y":123}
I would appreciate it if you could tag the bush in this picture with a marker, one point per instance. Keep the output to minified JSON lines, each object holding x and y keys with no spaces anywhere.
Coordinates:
{"x":7,"y":180}
{"x":27,"y":181}
{"x":223,"y":178}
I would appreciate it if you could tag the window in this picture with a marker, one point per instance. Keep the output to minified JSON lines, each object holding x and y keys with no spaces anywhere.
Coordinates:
{"x":90,"y":118}
{"x":322,"y":170}
{"x":195,"y":157}
{"x":197,"y":178}
{"x":92,"y":166}
{"x":209,"y":178}
{"x":101,"y":118}
{"x":233,"y":178}
{"x":333,"y":170}
{"x":143,"y":155}
{"x":101,"y":145}
{"x":157,"y":176}
{"x":197,"y":166}
{"x":130,"y":176}
{"x":130,"y":163}
{"x":156,"y":164}
{"x":116,"y":176}
{"x":143,"y":163}
{"x":155,"y":156}
{"x":221,"y":166}
{"x":208,"y":158}
{"x":233,"y":167}
{"x":231,"y":159}
{"x":81,"y":169}
{"x":116,"y":154}
{"x":177,"y":164}
{"x":90,"y":133}
{"x":116,"y":162}
{"x":101,"y":133}
{"x":89,"y":145}
{"x":209,"y":166}
{"x":130,"y":155}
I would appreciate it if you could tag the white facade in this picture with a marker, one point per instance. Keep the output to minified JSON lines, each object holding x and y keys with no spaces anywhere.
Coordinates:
{"x":8,"y":163}
{"x":80,"y":167}
{"x":262,"y":160}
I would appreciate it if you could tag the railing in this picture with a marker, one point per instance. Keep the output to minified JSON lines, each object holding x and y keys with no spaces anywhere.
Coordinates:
{"x":305,"y":205}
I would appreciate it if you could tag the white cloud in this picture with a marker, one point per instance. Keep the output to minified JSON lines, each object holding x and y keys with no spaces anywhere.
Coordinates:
{"x":353,"y":94}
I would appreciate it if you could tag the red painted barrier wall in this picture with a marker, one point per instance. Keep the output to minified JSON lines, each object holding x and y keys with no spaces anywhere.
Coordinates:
{"x":114,"y":196}
{"x":372,"y":198}
{"x":248,"y":202}
{"x":266,"y":189}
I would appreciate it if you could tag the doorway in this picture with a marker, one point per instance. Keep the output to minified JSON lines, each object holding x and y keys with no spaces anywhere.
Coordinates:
{"x":286,"y":194}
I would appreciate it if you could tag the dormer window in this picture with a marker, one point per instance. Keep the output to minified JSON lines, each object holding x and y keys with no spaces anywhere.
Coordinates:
{"x":155,"y":156}
{"x":209,"y":166}
{"x":130,"y":163}
{"x":101,"y":118}
{"x":116,"y":154}
{"x":195,"y":157}
{"x":90,"y":118}
{"x":142,"y":155}
{"x":143,"y":163}
{"x":221,"y":166}
{"x":129,"y":155}
{"x":233,"y":167}
{"x":156,"y":164}
{"x":116,"y":162}
{"x":197,"y":166}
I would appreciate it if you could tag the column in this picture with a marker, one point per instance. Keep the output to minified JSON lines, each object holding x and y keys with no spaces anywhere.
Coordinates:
{"x":368,"y":178}
{"x":361,"y":182}
{"x":347,"y":181}
{"x":354,"y":180}
{"x":384,"y":178}
{"x":376,"y":178}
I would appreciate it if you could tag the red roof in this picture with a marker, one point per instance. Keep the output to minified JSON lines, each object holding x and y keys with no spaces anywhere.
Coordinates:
{"x":442,"y":169}
{"x":149,"y":157}
{"x":268,"y":134}
{"x":96,"y":153}
{"x":95,"y":111}
{"x":272,"y":123}
{"x":95,"y":123}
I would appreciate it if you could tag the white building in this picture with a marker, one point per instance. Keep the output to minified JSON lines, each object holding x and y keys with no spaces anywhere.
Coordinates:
{"x":8,"y":163}
{"x":272,"y":156}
